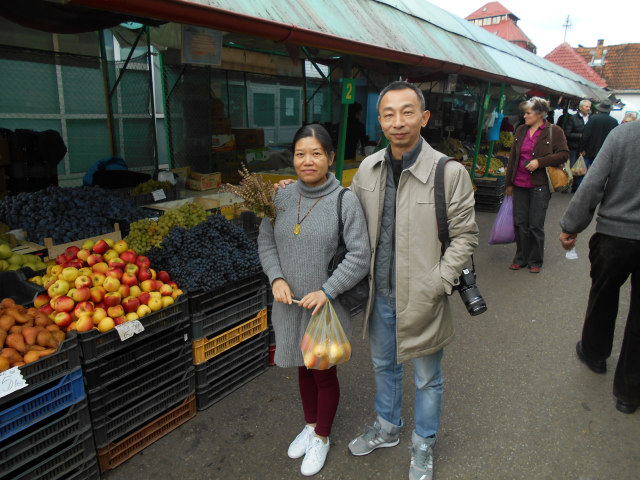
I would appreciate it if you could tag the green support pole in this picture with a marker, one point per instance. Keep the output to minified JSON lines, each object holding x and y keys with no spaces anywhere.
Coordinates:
{"x":165,"y":103}
{"x":344,"y":113}
{"x":329,"y":97}
{"x":483,"y":109}
{"x":304,"y":93}
{"x":153,"y":99}
{"x":500,"y":107}
{"x":107,"y":98}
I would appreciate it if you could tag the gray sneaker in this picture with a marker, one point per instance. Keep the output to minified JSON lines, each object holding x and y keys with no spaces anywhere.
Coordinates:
{"x":373,"y":437}
{"x":421,"y":458}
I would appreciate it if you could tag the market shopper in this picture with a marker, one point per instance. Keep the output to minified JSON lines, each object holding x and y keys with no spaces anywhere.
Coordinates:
{"x":614,"y":252}
{"x":538,"y":144}
{"x":356,"y":132}
{"x":573,"y":131}
{"x":596,"y":131}
{"x":295,"y":253}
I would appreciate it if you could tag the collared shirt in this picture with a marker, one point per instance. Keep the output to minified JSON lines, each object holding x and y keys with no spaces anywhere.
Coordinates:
{"x":523,"y":176}
{"x":585,"y":118}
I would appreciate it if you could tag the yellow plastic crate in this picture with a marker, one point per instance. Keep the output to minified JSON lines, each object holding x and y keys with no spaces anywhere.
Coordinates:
{"x":206,"y":349}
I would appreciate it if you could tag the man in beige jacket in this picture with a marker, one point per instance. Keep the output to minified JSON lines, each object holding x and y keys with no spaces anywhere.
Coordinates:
{"x":408,"y":313}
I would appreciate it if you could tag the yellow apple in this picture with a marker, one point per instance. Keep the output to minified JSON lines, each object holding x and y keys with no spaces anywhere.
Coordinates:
{"x":155,"y":304}
{"x":132,"y":316}
{"x":135,"y":291}
{"x":144,"y":310}
{"x":166,"y":301}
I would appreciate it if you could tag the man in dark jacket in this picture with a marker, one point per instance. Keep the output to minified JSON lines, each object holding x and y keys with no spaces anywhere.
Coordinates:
{"x":573,"y":131}
{"x":595,"y":132}
{"x":356,"y":131}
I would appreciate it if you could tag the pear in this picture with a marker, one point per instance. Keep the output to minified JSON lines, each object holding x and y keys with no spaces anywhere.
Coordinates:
{"x":16,"y":259}
{"x":14,"y":267}
{"x":3,"y":265}
{"x":31,"y":265}
{"x":40,"y":265}
{"x":5,"y":252}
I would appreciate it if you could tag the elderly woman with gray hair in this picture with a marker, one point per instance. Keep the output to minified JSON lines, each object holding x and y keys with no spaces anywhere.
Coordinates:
{"x":538,"y":144}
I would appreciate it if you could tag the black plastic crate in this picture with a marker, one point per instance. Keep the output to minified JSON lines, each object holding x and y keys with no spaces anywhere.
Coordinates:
{"x":488,"y":199}
{"x":488,"y":208}
{"x":16,"y":286}
{"x":133,"y":388}
{"x":112,"y":428}
{"x":46,"y":370}
{"x":64,"y":460}
{"x":490,"y":181}
{"x":89,"y":471}
{"x":95,"y":345}
{"x":493,"y":190}
{"x":209,"y":395}
{"x":18,"y":451}
{"x":202,"y":301}
{"x":272,"y":336}
{"x":250,"y":223}
{"x":219,"y":366}
{"x":212,"y":322}
{"x":113,"y":368}
{"x":145,"y":198}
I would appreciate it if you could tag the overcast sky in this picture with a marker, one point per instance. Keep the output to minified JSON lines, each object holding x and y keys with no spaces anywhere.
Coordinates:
{"x":615,"y":21}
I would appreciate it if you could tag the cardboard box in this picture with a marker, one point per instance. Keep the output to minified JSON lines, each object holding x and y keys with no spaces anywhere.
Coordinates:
{"x":5,"y":155}
{"x":221,"y":126}
{"x":257,"y":155}
{"x":233,"y":177}
{"x":228,"y":161}
{"x":182,"y":172}
{"x":248,"y":138}
{"x":201,"y":181}
{"x":223,"y":143}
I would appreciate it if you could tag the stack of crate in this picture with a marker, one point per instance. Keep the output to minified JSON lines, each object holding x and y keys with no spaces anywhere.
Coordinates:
{"x":139,"y":388}
{"x":231,"y":341}
{"x":489,"y":193}
{"x":45,"y":427}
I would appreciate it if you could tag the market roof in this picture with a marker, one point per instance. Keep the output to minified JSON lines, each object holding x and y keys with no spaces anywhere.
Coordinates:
{"x":621,"y":69}
{"x":413,"y":33}
{"x":565,"y":56}
{"x":491,"y":9}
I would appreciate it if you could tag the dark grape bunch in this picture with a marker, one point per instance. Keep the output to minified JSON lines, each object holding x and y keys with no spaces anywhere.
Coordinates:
{"x":66,"y":214}
{"x":207,"y":256}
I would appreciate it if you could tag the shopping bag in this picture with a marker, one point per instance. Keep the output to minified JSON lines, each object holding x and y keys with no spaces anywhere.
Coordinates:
{"x":579,"y":168}
{"x":324,"y":343}
{"x":503,"y":230}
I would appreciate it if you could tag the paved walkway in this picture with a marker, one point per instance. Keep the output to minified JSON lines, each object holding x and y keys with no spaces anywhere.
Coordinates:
{"x":518,"y":404}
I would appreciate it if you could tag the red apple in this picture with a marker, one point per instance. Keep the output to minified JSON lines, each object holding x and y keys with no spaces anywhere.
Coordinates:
{"x":46,"y":309}
{"x":82,"y":294}
{"x":84,"y":254}
{"x":83,"y":281}
{"x":129,"y":256}
{"x":144,"y":298}
{"x":129,"y":279}
{"x":117,"y":263}
{"x":153,"y":273}
{"x":166,"y":290}
{"x":115,"y":311}
{"x":97,"y":294}
{"x":63,"y":304}
{"x":102,"y":305}
{"x":159,"y":285}
{"x":93,"y":259}
{"x":130,"y":304}
{"x":112,"y":299}
{"x":143,"y":262}
{"x":124,"y":290}
{"x":100,"y":247}
{"x":164,"y":276}
{"x":63,"y":319}
{"x":172,"y":284}
{"x":119,"y":320}
{"x":132,"y":268}
{"x":84,"y":308}
{"x":144,"y":274}
{"x":148,"y":286}
{"x":61,"y":259}
{"x":113,"y":272}
{"x":41,"y":300}
{"x":76,"y":263}
{"x":84,"y":323}
{"x":71,"y":252}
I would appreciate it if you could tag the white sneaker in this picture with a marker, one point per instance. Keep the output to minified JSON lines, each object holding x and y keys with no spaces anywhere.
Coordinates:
{"x":316,"y":455}
{"x":299,"y":446}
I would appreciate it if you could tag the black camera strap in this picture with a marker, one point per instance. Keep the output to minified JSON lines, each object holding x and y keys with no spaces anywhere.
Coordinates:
{"x":441,"y":206}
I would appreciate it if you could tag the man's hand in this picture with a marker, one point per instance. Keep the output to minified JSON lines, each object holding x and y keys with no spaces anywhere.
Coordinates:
{"x":533,"y":165}
{"x":568,"y":240}
{"x":315,"y":300}
{"x":509,"y":191}
{"x":283,"y":183}
{"x":281,"y":291}
{"x":583,"y":153}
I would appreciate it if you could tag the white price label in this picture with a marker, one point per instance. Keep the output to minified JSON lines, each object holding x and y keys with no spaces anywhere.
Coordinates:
{"x":129,"y":329}
{"x":158,"y":195}
{"x":186,"y":337}
{"x":11,"y":381}
{"x":465,"y":157}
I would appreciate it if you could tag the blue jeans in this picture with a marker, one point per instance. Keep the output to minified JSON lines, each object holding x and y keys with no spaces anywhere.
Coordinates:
{"x":388,"y":374}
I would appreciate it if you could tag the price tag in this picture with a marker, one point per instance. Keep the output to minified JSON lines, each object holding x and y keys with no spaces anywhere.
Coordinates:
{"x":465,"y":157}
{"x":158,"y":195}
{"x":186,"y":337}
{"x":11,"y":381}
{"x":129,"y":329}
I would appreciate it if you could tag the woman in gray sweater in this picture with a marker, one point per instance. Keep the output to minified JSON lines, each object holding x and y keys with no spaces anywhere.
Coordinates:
{"x":295,"y":254}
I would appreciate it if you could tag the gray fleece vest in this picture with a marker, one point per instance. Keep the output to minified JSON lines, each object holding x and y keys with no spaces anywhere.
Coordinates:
{"x":385,"y":270}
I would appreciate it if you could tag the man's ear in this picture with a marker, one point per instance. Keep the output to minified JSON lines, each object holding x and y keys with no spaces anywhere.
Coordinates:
{"x":425,"y":118}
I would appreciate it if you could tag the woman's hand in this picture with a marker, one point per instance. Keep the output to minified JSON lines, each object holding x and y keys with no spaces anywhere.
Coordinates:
{"x":509,"y":191}
{"x":533,"y":165}
{"x":283,"y":183}
{"x":315,"y":300}
{"x":281,"y":291}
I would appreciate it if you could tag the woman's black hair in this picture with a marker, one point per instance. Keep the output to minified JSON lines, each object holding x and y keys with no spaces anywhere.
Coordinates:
{"x":317,"y":131}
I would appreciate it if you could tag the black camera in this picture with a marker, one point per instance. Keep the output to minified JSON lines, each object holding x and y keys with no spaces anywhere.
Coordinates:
{"x":470,"y":294}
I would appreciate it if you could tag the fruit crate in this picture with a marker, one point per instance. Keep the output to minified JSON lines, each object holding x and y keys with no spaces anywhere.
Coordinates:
{"x":110,"y":429}
{"x":117,"y":453}
{"x":206,"y":349}
{"x":209,"y":395}
{"x":211,"y":323}
{"x":202,"y":301}
{"x":114,"y":368}
{"x":89,"y":471}
{"x":42,"y":436}
{"x":16,"y":286}
{"x":45,"y":370}
{"x":495,"y":189}
{"x":209,"y":372}
{"x":95,"y":345}
{"x":250,"y":223}
{"x":146,"y":198}
{"x":125,"y":225}
{"x":65,"y":460}
{"x":272,"y":335}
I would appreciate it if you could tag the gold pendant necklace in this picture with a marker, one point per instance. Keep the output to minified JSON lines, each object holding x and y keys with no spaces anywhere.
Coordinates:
{"x":296,"y":229}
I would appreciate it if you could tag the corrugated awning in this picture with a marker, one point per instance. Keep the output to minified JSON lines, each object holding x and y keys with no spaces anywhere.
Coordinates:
{"x":414,"y":33}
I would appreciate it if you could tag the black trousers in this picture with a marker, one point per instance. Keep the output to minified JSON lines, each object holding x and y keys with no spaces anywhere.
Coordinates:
{"x":529,"y":212}
{"x":613,"y":259}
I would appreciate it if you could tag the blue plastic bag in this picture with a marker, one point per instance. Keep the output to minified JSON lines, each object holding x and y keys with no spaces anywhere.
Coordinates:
{"x":493,"y":135}
{"x":503,"y":230}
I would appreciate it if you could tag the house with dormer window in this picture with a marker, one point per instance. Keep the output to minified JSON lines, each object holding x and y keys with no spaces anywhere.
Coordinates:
{"x":497,"y":19}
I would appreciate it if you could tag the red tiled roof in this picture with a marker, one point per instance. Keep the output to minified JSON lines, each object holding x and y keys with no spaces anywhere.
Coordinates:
{"x":509,"y":31}
{"x":567,"y":57}
{"x":621,"y":68}
{"x":493,"y":9}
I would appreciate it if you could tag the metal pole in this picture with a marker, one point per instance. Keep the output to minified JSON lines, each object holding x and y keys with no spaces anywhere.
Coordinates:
{"x":483,"y":109}
{"x":107,"y":98}
{"x":565,"y":112}
{"x":344,"y":113}
{"x":153,"y":100}
{"x":500,"y":107}
{"x":165,"y":103}
{"x":304,"y":93}
{"x":246,"y":98}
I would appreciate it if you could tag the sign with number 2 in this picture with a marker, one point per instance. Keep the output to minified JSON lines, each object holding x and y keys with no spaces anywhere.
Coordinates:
{"x":348,"y":91}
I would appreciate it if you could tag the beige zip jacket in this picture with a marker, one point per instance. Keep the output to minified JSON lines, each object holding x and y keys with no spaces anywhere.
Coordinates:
{"x":423,"y":280}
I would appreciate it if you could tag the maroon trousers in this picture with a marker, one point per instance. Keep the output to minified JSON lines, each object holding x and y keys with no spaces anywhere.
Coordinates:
{"x":320,"y":392}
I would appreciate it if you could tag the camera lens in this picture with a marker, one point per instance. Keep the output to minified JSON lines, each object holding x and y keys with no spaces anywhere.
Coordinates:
{"x":473,"y":300}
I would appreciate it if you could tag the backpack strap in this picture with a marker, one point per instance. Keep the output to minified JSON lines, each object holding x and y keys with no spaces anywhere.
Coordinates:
{"x":441,"y":202}
{"x":340,"y":222}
